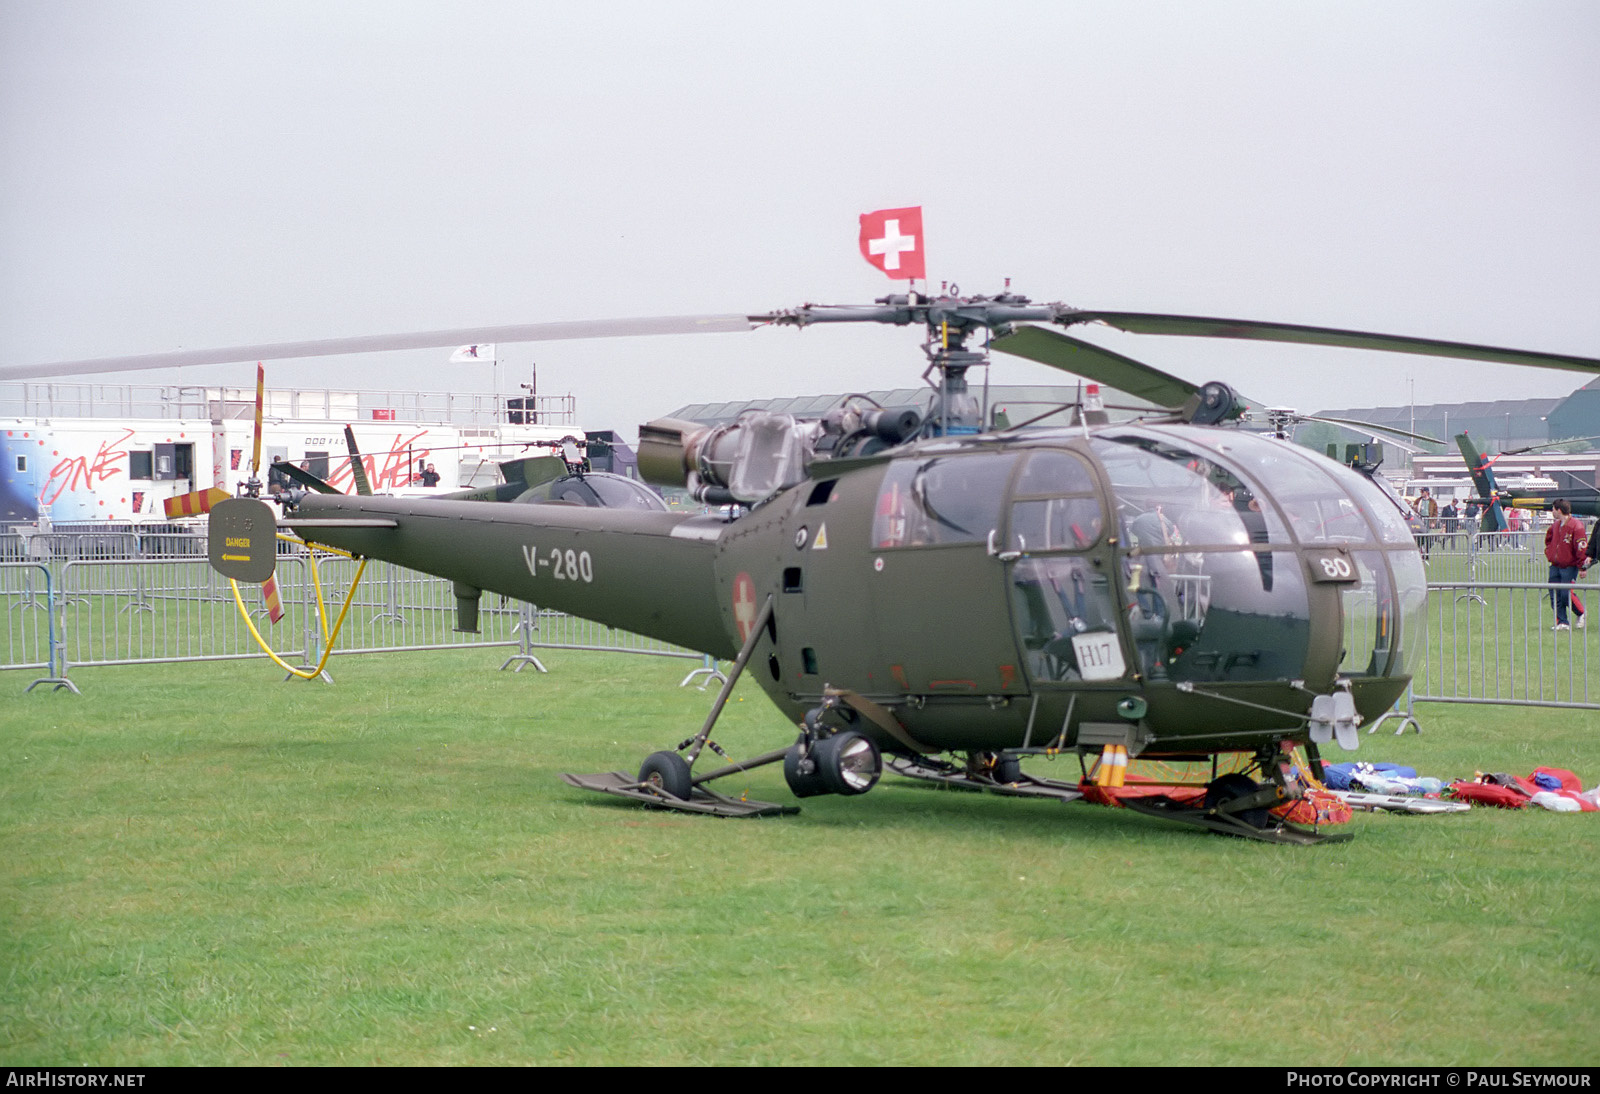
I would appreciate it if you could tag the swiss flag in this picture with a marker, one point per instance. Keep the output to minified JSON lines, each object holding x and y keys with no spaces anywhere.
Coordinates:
{"x":891,"y":239}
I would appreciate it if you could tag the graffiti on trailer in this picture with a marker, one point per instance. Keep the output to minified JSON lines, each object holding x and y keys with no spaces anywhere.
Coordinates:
{"x":399,"y":466}
{"x":75,"y":473}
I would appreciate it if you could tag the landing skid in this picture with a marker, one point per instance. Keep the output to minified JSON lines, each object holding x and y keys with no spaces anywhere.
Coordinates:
{"x":700,"y":800}
{"x":931,"y":770}
{"x":1214,"y":820}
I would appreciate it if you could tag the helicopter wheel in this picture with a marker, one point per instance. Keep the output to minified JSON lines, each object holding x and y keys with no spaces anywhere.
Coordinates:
{"x":1007,"y":768}
{"x":1001,"y":767}
{"x":1231,"y":787}
{"x":668,"y":773}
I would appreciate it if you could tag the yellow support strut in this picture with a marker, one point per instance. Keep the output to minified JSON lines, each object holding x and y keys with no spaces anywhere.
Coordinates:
{"x":322,"y":612}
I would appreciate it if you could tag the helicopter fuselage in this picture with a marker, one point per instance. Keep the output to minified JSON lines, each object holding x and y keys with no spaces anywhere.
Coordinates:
{"x":1196,"y":587}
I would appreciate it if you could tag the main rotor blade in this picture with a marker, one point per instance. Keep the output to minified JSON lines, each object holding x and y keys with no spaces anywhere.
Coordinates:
{"x":437,"y":339}
{"x":1548,"y":444}
{"x":1369,"y":427}
{"x":1404,"y":446}
{"x":1202,"y":327}
{"x":1096,"y":363}
{"x":303,"y":477}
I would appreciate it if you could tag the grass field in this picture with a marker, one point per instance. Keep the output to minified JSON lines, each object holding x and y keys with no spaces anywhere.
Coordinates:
{"x":201,"y":864}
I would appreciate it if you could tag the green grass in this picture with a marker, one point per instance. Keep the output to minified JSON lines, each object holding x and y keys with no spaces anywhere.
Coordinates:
{"x":201,"y":864}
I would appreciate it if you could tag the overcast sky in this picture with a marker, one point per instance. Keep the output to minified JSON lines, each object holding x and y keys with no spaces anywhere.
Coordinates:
{"x":191,"y":175}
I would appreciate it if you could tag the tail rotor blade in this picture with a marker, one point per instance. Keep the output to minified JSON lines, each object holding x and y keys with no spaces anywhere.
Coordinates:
{"x":261,"y":392}
{"x":357,"y":468}
{"x":193,"y":504}
{"x":270,"y":597}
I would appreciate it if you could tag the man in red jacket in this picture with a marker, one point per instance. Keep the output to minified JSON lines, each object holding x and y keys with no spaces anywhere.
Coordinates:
{"x":1564,"y":548}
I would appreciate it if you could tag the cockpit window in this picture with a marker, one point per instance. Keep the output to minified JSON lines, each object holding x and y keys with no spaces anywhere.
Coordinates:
{"x":947,"y":499}
{"x":1319,"y":510}
{"x":1210,"y":602}
{"x":1056,"y":507}
{"x":1050,"y":472}
{"x":1066,"y":621}
{"x":602,"y":490}
{"x":1170,"y":494}
{"x":1384,"y":514}
{"x":617,"y":492}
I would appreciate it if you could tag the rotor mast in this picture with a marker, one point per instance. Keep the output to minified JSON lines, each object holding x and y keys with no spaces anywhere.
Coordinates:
{"x":950,"y":319}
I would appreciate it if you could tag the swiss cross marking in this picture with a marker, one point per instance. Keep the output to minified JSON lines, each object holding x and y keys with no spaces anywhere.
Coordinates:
{"x":892,"y":244}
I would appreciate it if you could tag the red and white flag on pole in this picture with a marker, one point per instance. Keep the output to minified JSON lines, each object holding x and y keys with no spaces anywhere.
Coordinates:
{"x":891,"y":239}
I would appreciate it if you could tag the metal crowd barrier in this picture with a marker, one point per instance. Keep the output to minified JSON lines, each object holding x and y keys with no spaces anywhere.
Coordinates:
{"x":1494,"y":642}
{"x":141,"y":597}
{"x":26,"y":596}
{"x":142,"y":612}
{"x":31,"y":628}
{"x":400,"y":609}
{"x":1484,"y":556}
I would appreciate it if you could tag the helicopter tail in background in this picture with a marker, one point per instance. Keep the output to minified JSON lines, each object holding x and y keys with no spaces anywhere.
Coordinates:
{"x":1481,"y":468}
{"x":1584,"y":502}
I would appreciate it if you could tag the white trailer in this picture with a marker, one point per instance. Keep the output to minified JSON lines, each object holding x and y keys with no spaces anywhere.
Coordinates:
{"x":110,"y":468}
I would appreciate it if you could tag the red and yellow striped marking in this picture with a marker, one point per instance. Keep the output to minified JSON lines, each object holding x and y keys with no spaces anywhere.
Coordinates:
{"x":269,"y":594}
{"x":193,"y":504}
{"x":261,"y":391}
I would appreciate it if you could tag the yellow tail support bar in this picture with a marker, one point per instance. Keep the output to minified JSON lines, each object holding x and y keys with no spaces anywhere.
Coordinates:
{"x":328,"y":636}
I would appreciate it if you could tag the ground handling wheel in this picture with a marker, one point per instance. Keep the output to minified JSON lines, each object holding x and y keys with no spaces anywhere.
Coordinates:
{"x":1002,"y":767}
{"x":668,"y":773}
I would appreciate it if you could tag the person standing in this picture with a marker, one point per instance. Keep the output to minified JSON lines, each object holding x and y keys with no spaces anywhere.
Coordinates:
{"x":1427,"y":511}
{"x":1448,"y":517}
{"x":1591,"y":556}
{"x":1565,"y":547}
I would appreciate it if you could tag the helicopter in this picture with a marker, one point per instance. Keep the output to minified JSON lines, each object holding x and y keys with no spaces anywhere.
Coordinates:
{"x":920,"y":586}
{"x":1495,"y":500}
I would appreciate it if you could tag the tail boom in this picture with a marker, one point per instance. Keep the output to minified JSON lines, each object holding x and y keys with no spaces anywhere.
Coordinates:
{"x":647,"y":572}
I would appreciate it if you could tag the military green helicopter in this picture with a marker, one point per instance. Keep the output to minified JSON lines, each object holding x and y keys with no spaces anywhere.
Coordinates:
{"x":1495,"y":500}
{"x":926,"y":585}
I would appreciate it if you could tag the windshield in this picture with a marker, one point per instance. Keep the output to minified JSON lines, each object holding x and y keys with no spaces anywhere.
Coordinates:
{"x":1208,"y":519}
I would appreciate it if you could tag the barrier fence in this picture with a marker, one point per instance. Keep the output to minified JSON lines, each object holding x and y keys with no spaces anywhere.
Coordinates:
{"x":28,"y":600}
{"x":1495,"y":642}
{"x":138,"y":597}
{"x":123,"y":597}
{"x":1484,"y":556}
